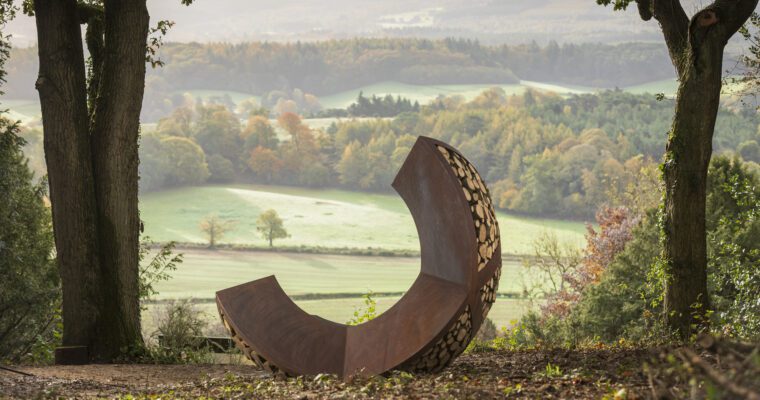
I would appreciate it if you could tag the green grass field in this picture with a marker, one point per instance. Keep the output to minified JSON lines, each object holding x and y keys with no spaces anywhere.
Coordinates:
{"x":503,"y":313}
{"x":666,"y":86}
{"x":206,"y":95}
{"x":424,"y":94}
{"x":29,"y":110}
{"x":328,"y":218}
{"x":315,"y":217}
{"x":324,"y":123}
{"x":204,"y":272}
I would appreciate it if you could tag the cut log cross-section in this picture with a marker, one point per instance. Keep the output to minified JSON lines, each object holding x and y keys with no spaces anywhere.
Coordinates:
{"x":430,"y":325}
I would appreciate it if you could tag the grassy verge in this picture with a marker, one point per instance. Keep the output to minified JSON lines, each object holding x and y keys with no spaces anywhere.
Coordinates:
{"x":302,"y":249}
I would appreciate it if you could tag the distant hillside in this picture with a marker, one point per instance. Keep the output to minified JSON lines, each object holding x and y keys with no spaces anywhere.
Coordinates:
{"x":278,"y":70}
{"x":491,"y":21}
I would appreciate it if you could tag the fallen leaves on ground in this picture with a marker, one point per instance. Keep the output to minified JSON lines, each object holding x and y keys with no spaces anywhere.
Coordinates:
{"x":615,"y":373}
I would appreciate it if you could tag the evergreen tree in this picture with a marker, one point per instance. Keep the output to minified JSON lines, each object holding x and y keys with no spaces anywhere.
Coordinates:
{"x":29,"y":294}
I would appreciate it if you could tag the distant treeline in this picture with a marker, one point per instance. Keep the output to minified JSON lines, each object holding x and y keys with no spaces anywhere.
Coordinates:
{"x":540,"y":154}
{"x":375,"y":106}
{"x":328,"y":67}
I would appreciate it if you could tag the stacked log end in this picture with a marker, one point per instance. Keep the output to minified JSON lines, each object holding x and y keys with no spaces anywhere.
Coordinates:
{"x":479,"y":199}
{"x":488,"y":292}
{"x":446,"y":349}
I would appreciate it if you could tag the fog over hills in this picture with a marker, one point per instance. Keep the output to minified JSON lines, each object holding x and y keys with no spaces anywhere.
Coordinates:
{"x":491,"y":21}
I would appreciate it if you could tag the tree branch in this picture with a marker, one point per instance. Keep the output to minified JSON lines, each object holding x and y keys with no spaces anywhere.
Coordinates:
{"x":732,"y":14}
{"x":87,"y":12}
{"x":675,"y":27}
{"x":717,"y":377}
{"x":96,"y":47}
{"x":645,"y":9}
{"x":673,"y":21}
{"x":717,"y":23}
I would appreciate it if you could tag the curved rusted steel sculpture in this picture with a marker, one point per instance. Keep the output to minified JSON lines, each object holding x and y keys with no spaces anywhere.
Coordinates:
{"x":430,"y":325}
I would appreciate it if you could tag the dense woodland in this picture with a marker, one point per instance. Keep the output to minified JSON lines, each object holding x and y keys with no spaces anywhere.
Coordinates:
{"x":541,"y":154}
{"x":323,"y":68}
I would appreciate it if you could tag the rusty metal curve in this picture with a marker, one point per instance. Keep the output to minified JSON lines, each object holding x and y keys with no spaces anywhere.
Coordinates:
{"x":430,"y":325}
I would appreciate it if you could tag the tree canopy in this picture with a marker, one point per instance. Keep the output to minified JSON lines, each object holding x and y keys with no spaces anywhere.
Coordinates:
{"x":270,"y":226}
{"x":541,"y":154}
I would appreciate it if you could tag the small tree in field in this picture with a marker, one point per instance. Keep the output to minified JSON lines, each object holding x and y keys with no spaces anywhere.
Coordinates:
{"x":270,"y":226}
{"x":215,"y":228}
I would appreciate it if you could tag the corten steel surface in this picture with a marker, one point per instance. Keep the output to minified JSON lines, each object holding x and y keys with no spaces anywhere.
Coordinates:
{"x":430,"y":325}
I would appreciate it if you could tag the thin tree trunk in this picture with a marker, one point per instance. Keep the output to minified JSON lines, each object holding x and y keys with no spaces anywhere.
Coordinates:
{"x":115,"y":130}
{"x":63,"y":99}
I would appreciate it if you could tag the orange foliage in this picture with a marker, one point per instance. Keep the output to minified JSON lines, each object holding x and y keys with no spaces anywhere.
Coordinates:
{"x":264,"y":163}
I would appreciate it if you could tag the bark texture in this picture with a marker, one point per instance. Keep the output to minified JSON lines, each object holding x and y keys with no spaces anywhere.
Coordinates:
{"x":115,"y":130}
{"x":696,"y":49}
{"x":91,"y":133}
{"x":61,"y":85}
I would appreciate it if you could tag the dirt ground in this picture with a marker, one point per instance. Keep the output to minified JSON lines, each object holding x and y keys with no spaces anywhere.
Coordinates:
{"x":514,"y":374}
{"x":112,"y":380}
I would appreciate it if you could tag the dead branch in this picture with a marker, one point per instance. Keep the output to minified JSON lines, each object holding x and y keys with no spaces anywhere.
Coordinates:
{"x":689,"y":356}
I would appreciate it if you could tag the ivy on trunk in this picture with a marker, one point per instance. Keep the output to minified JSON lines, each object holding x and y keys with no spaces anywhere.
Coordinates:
{"x":696,"y":47}
{"x":91,"y":124}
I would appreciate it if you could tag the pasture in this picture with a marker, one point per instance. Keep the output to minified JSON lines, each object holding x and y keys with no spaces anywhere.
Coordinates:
{"x":29,"y":110}
{"x":208,"y":95}
{"x":318,"y":217}
{"x":666,"y":86}
{"x":204,"y":272}
{"x":329,"y":218}
{"x":425,"y":94}
{"x":503,"y":314}
{"x":421,"y":93}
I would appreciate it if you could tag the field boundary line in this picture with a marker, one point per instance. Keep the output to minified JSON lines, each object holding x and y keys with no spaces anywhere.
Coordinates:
{"x":334,"y":251}
{"x":325,"y":296}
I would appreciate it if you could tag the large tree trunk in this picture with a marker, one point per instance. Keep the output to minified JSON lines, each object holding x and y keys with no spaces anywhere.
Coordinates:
{"x":685,"y":172}
{"x":115,"y":130}
{"x":63,"y":99}
{"x":697,"y":53}
{"x":696,"y":50}
{"x":92,"y":165}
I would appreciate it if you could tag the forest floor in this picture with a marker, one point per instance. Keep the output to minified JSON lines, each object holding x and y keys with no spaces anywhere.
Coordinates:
{"x":717,"y":370}
{"x":492,"y":374}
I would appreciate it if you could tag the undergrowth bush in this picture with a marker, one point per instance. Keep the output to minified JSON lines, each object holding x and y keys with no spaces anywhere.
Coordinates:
{"x":487,"y":331}
{"x":366,"y":313}
{"x":30,"y":287}
{"x":180,"y":329}
{"x":616,"y":293}
{"x":179,"y":335}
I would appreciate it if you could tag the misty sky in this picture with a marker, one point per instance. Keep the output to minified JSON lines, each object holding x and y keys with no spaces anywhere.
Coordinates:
{"x":491,"y":21}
